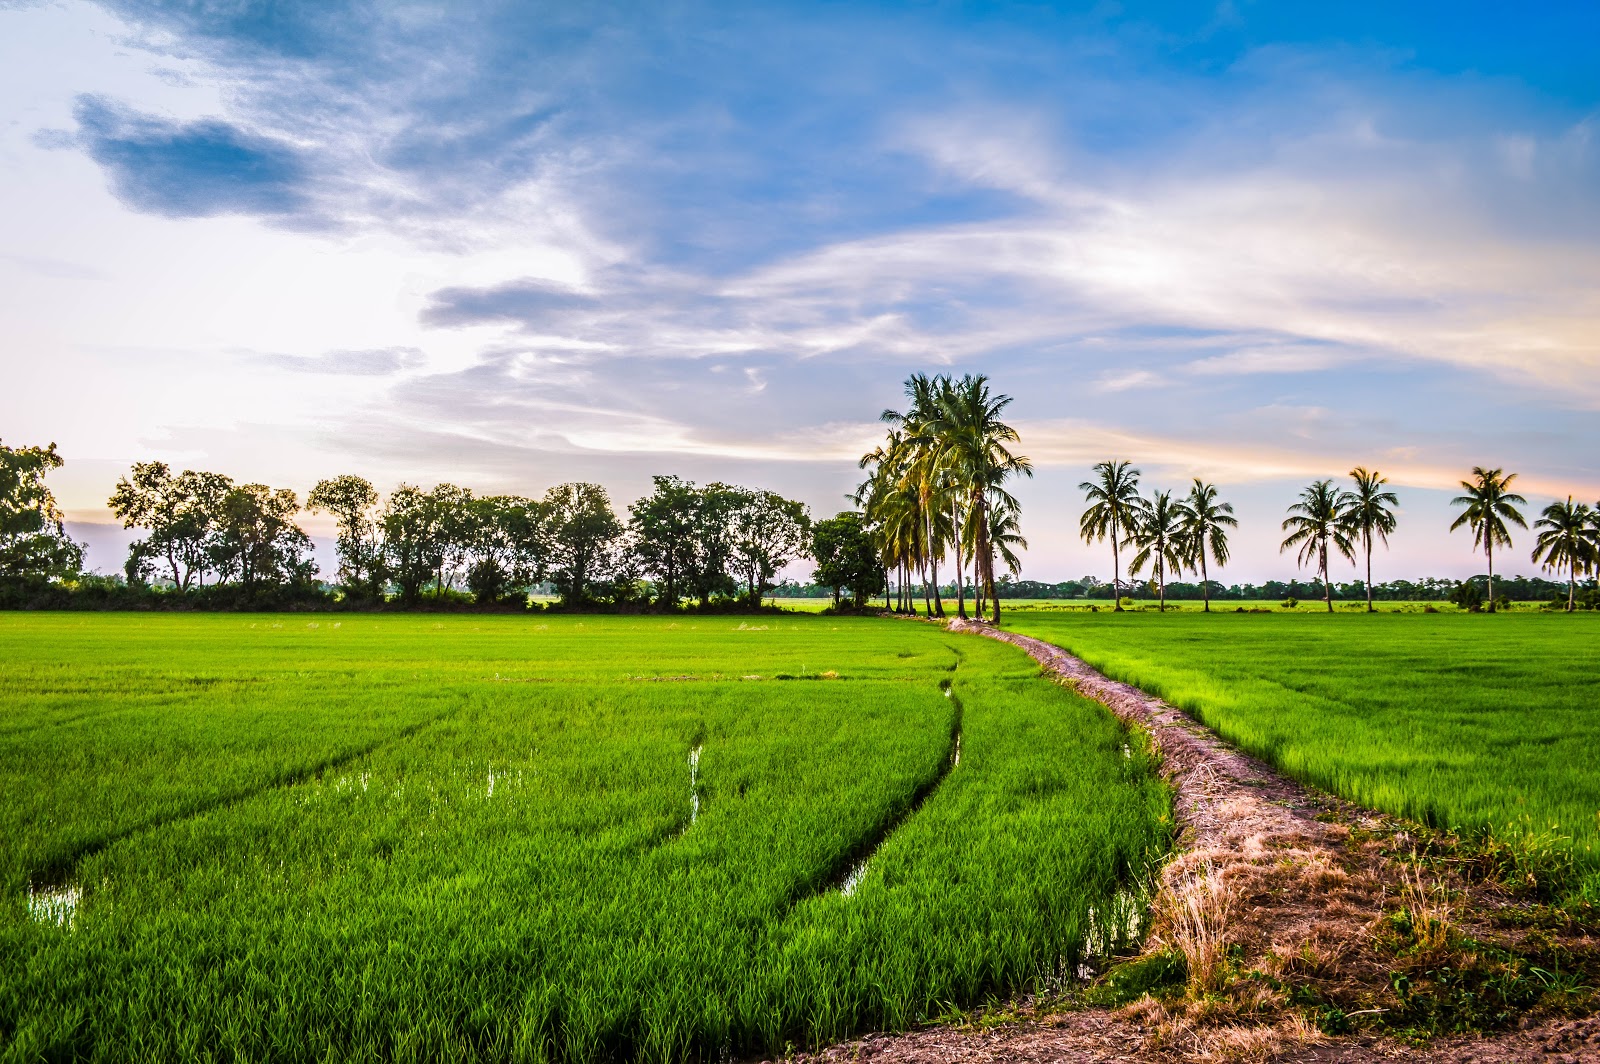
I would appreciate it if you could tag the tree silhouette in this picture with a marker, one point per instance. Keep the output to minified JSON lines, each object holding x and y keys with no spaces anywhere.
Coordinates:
{"x":1158,"y":533}
{"x":1113,"y":508}
{"x":1314,"y":523}
{"x":1567,"y":539}
{"x":1203,"y":522}
{"x":1489,"y":505}
{"x":1367,"y":513}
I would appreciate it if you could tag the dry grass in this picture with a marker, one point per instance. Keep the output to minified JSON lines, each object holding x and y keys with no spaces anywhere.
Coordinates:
{"x":1197,"y":910}
{"x":1427,"y":906}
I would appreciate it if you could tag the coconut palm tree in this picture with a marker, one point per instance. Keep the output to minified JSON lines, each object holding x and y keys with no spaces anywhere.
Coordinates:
{"x":922,"y":465}
{"x":1489,"y":505}
{"x":972,"y":447}
{"x":1566,"y":539}
{"x":1367,"y":513}
{"x":1204,"y":522}
{"x":1114,"y":504}
{"x":1158,"y":533}
{"x":1315,"y":523}
{"x":1005,"y":535}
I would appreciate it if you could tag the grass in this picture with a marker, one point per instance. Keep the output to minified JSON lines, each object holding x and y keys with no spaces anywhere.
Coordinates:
{"x":1481,"y":723}
{"x":474,"y":838}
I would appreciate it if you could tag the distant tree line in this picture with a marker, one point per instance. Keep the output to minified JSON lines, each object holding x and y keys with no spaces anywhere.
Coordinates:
{"x":935,"y":496}
{"x":1325,"y":520}
{"x":208,"y":542}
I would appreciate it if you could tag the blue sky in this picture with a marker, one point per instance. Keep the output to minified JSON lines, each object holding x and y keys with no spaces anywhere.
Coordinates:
{"x":514,"y":244}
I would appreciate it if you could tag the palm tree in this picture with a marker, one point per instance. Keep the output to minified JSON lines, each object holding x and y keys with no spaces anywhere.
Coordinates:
{"x":1489,"y":505}
{"x":1113,"y":506}
{"x":1567,"y":540}
{"x":1366,"y":512}
{"x":1005,"y":535}
{"x":1314,"y":523}
{"x":1158,"y":533}
{"x":972,"y":447}
{"x":1203,"y":522}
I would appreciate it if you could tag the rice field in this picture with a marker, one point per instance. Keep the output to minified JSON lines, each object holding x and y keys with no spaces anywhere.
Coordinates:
{"x":1471,"y":722}
{"x":369,"y":837}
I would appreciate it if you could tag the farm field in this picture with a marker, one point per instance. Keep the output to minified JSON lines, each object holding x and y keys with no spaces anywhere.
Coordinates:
{"x":363,"y":837}
{"x":1461,"y":721}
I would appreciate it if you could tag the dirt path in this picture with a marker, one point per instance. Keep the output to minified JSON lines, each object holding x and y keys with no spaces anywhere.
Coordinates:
{"x":1281,"y":901}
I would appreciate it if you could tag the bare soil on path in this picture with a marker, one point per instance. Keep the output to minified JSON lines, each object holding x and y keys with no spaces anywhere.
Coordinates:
{"x":1298,"y":914}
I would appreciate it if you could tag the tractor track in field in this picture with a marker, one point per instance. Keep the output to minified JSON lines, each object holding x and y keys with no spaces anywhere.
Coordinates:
{"x":62,"y":870}
{"x":1301,"y":885}
{"x":850,"y":867}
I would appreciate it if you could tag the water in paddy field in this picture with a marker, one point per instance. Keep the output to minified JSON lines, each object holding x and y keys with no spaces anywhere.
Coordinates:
{"x":853,"y":880}
{"x":694,"y":777}
{"x":55,"y":905}
{"x":1116,"y":928}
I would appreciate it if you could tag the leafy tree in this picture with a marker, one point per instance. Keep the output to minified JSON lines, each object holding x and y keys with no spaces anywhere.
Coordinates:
{"x":1159,"y":534}
{"x":709,"y":573}
{"x":665,"y":526}
{"x":846,"y":557}
{"x":1114,"y":506}
{"x":768,"y":532}
{"x":1203,"y":523}
{"x":33,"y":541}
{"x":1566,"y":538}
{"x":1314,"y":523}
{"x":507,"y":541}
{"x":353,"y":500}
{"x":583,"y":533}
{"x":255,"y":538}
{"x":1489,"y":505}
{"x":411,"y":550}
{"x":450,"y":509}
{"x":179,"y":512}
{"x":1367,"y":513}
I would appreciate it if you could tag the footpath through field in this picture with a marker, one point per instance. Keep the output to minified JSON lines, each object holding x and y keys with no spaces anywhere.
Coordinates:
{"x":1289,"y":908}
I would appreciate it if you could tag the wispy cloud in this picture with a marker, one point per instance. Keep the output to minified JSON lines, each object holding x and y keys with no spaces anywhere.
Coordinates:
{"x":379,"y":362}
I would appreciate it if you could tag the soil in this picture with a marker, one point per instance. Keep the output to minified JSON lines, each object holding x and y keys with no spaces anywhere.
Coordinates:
{"x":1298,"y":914}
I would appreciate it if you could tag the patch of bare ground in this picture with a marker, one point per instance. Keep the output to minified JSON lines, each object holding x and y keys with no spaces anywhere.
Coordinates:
{"x":1290,"y":925}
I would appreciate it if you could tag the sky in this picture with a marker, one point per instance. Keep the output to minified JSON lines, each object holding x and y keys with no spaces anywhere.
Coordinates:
{"x":513,"y":244}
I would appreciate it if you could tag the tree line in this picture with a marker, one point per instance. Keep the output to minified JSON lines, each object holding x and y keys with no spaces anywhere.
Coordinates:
{"x":711,"y":545}
{"x":935,"y":500}
{"x":1172,"y":537}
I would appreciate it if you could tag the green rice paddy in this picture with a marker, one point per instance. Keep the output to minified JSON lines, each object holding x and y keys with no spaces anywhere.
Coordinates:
{"x":1484,"y":722}
{"x":381,"y":837}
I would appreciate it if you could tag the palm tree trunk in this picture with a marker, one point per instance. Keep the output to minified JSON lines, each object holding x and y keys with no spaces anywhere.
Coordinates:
{"x":1205,"y":581}
{"x":1116,"y":570}
{"x":1488,"y":549}
{"x":981,"y":562}
{"x":1572,"y":581}
{"x":961,"y":567}
{"x":922,"y":571}
{"x":1161,"y":587}
{"x":1369,"y":572}
{"x":1327,"y":591}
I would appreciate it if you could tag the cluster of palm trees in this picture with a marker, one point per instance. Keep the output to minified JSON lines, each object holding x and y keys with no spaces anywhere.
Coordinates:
{"x":1345,"y":520}
{"x":1568,"y":532}
{"x":1167,"y":535}
{"x":1325,"y":519}
{"x":936,"y":491}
